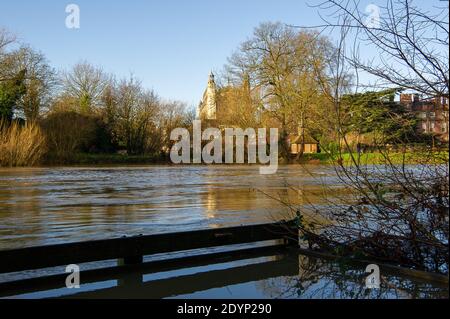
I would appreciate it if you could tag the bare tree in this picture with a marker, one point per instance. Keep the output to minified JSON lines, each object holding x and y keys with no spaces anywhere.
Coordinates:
{"x":86,"y":83}
{"x":136,"y":113}
{"x":173,"y":114}
{"x":410,"y":44}
{"x":237,"y":104}
{"x":40,"y":79}
{"x":283,"y":65}
{"x":396,"y":212}
{"x":6,"y":39}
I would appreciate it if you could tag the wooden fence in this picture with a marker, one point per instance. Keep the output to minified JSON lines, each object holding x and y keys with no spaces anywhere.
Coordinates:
{"x":130,"y":250}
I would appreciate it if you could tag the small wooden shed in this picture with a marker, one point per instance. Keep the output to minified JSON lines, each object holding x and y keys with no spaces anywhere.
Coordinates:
{"x":310,"y":146}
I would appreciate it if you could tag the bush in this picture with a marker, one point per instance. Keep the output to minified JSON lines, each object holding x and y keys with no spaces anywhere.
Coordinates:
{"x":21,"y":145}
{"x":69,"y":133}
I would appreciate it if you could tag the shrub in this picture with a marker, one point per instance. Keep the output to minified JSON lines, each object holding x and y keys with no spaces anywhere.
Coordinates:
{"x":69,"y":133}
{"x":21,"y":145}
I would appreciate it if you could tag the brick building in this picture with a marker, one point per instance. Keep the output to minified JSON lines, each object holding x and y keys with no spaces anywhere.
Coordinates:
{"x":431,"y":112}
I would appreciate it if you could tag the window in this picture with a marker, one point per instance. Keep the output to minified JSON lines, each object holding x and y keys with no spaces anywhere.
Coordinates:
{"x":432,"y":114}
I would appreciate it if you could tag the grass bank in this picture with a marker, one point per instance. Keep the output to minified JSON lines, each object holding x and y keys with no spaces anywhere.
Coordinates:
{"x":312,"y":159}
{"x":378,"y":158}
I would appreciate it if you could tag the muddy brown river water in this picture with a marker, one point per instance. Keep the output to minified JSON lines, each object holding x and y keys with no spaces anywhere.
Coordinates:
{"x":41,"y":206}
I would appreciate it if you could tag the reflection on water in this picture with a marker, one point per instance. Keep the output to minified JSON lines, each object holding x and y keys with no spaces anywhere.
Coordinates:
{"x":324,"y":279}
{"x":280,"y":276}
{"x":51,"y":205}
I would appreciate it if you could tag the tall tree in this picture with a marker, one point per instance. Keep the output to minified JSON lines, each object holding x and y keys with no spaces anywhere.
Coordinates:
{"x":283,"y":65}
{"x":39,"y":81}
{"x":377,"y":114}
{"x":10,"y":93}
{"x":87,"y":84}
{"x":136,"y":112}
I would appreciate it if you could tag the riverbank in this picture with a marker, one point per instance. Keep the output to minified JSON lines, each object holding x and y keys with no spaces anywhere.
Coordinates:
{"x":438,"y":157}
{"x":309,"y":159}
{"x":107,"y":159}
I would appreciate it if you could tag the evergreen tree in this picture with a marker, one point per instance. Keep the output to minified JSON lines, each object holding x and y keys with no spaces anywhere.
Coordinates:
{"x":10,"y":93}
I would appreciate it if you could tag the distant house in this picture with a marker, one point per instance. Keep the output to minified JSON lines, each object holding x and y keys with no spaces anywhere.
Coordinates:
{"x":431,"y":112}
{"x":310,"y":145}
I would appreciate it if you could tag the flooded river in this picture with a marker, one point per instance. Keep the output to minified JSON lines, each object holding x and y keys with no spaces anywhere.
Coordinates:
{"x":40,"y":206}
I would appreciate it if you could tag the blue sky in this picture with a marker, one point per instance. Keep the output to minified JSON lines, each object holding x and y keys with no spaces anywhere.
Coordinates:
{"x":170,"y":45}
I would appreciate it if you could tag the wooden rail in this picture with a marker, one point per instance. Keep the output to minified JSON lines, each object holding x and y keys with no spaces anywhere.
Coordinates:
{"x":132,"y":275}
{"x":130,"y":250}
{"x":191,"y":283}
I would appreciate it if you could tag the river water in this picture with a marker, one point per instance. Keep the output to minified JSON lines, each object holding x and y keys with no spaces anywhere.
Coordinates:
{"x":40,"y":206}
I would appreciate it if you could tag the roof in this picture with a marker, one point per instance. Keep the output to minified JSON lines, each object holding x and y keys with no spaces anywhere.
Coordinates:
{"x":296,"y":139}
